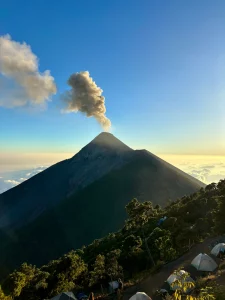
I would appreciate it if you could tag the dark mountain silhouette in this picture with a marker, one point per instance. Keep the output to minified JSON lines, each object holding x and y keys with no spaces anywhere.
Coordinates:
{"x":80,"y":199}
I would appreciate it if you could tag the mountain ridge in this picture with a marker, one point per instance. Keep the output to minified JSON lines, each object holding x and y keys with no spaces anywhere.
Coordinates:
{"x":93,"y":161}
{"x":61,"y":180}
{"x":82,"y":198}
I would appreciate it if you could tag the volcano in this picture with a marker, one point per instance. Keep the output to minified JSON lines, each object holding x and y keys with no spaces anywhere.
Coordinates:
{"x":83,"y":198}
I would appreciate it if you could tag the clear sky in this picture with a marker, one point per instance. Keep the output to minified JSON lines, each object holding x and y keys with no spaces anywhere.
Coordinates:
{"x":161,"y":65}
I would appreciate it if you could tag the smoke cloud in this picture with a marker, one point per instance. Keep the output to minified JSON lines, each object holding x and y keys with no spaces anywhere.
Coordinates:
{"x":85,"y":96}
{"x":19,"y":63}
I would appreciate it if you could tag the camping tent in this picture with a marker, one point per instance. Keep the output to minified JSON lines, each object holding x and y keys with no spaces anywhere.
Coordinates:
{"x":140,"y":296}
{"x":219,"y":247}
{"x":182,"y":276}
{"x":161,"y":221}
{"x":81,"y":296}
{"x":203,"y":262}
{"x":65,"y":296}
{"x":113,"y":285}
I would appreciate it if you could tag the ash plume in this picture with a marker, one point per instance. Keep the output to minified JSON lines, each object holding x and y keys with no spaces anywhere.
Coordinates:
{"x":85,"y":96}
{"x":20,"y":64}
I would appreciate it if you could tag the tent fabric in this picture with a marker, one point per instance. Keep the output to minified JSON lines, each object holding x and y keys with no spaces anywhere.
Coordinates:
{"x":174,"y":277}
{"x":140,"y":296}
{"x":161,"y":220}
{"x":82,"y":296}
{"x":114,"y":284}
{"x":65,"y":296}
{"x":203,"y":262}
{"x":219,"y":247}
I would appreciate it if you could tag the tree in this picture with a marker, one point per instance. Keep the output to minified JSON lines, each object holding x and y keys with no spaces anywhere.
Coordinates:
{"x":131,"y":244}
{"x":14,"y":284}
{"x":133,"y":257}
{"x":139,"y":212}
{"x":3,"y":296}
{"x":62,"y":283}
{"x":220,"y":216}
{"x":221,"y":186}
{"x":99,"y":272}
{"x":65,"y":272}
{"x":28,"y":271}
{"x":210,"y":187}
{"x":164,"y":244}
{"x":37,"y":288}
{"x":71,"y":265}
{"x":113,"y":269}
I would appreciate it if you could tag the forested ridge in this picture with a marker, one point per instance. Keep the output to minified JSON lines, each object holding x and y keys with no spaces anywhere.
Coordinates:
{"x":144,"y":242}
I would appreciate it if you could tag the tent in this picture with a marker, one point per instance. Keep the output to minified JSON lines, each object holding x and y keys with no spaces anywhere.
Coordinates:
{"x":178,"y":276}
{"x":65,"y":296}
{"x":140,"y":296}
{"x":219,"y":247}
{"x":114,"y":284}
{"x":161,"y":221}
{"x":81,"y":296}
{"x":203,"y":262}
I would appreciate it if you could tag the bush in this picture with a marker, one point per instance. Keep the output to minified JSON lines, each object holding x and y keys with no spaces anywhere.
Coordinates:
{"x":219,"y":292}
{"x":222,"y":266}
{"x":200,"y":283}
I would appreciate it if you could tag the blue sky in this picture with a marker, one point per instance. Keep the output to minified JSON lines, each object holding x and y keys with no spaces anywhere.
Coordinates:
{"x":161,"y":65}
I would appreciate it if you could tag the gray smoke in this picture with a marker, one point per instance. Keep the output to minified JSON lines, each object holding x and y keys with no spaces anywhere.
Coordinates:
{"x":85,"y":96}
{"x":19,"y":63}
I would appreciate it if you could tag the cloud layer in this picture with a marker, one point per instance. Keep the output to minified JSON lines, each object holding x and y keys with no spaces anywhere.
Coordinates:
{"x":20,"y":64}
{"x":10,"y":179}
{"x":85,"y":96}
{"x":208,"y":170}
{"x":204,"y":172}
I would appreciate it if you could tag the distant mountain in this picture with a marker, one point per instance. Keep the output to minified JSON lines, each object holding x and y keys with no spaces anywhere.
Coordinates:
{"x":83,"y":198}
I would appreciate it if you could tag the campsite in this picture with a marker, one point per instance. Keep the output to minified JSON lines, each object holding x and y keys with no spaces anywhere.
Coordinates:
{"x":145,"y":252}
{"x":185,"y":272}
{"x":159,"y":281}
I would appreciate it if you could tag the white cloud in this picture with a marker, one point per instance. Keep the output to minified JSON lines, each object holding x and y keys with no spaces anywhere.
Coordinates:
{"x":19,"y":64}
{"x":11,"y":179}
{"x":205,"y":168}
{"x":205,"y":173}
{"x":13,"y":182}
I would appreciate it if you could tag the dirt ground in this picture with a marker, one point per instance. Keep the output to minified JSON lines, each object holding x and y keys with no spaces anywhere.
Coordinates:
{"x":154,"y":282}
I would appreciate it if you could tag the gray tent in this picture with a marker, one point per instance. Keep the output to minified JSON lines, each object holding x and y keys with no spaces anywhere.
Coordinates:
{"x":140,"y":296}
{"x":218,"y":248}
{"x":65,"y":296}
{"x":181,"y":276}
{"x":203,"y":262}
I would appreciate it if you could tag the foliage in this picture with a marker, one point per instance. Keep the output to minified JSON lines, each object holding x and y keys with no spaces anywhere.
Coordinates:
{"x":113,"y":269}
{"x":14,"y":284}
{"x":185,"y":287}
{"x":183,"y":284}
{"x":125,"y":253}
{"x":3,"y":296}
{"x":220,"y":220}
{"x":219,"y":292}
{"x":139,"y":212}
{"x":99,"y":271}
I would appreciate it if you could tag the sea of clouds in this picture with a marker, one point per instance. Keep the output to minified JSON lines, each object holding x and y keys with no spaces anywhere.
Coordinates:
{"x":13,"y":178}
{"x":207,"y":171}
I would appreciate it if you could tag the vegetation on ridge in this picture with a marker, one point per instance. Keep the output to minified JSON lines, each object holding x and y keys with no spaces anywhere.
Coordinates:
{"x":190,"y":219}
